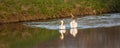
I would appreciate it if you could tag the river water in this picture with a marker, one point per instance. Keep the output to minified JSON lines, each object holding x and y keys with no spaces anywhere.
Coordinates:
{"x":106,"y":20}
{"x":102,"y":31}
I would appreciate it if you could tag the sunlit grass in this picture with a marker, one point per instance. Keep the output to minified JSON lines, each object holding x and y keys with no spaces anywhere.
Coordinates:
{"x":16,"y":10}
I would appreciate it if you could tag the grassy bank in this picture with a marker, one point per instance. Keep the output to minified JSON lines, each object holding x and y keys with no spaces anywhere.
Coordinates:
{"x":26,"y":10}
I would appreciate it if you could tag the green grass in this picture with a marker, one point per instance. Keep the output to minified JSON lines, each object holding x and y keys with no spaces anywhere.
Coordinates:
{"x":16,"y":10}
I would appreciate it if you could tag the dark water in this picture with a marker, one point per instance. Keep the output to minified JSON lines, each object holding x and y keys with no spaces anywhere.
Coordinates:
{"x":92,"y":32}
{"x":16,"y":35}
{"x":87,"y":38}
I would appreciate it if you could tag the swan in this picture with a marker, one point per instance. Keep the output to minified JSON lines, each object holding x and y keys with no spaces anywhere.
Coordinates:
{"x":62,"y":29}
{"x":73,"y":24}
{"x":73,"y":29}
{"x":62,"y":26}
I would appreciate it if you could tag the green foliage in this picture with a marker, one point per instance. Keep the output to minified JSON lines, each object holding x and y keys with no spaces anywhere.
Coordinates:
{"x":50,"y":8}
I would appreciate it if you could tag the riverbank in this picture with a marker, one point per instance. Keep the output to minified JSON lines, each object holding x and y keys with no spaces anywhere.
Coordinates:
{"x":19,"y":10}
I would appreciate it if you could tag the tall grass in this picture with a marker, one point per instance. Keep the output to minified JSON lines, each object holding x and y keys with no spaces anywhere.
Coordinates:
{"x":16,"y":10}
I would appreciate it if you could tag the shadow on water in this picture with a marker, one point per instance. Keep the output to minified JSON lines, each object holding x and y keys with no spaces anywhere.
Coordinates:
{"x":20,"y":36}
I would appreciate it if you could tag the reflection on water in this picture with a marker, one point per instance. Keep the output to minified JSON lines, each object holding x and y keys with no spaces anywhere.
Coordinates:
{"x":73,"y":31}
{"x":89,"y":32}
{"x":62,"y":31}
{"x":88,"y":38}
{"x":16,"y":35}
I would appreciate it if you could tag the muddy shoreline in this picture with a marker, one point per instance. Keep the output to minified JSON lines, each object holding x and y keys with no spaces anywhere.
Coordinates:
{"x":33,"y":18}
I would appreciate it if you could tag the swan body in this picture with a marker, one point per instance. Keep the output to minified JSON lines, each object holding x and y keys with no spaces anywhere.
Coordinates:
{"x":62,"y":29}
{"x":73,"y":24}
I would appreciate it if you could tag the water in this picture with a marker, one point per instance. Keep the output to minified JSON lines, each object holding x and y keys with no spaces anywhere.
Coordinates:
{"x":91,"y":32}
{"x":87,"y":38}
{"x":16,"y":35}
{"x":84,"y":22}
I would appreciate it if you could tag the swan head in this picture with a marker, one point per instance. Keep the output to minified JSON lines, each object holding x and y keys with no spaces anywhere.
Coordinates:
{"x":61,"y":21}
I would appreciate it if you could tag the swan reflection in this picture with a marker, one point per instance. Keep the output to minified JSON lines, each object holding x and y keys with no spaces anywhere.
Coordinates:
{"x":73,"y":29}
{"x":62,"y":29}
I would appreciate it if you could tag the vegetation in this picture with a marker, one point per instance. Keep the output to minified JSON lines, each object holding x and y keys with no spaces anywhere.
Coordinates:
{"x":19,"y":36}
{"x":25,"y":10}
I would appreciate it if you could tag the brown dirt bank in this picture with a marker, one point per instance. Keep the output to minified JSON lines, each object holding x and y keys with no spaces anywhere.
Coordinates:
{"x":27,"y":10}
{"x":18,"y":17}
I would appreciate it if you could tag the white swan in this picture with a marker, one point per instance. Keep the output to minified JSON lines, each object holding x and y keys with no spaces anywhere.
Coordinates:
{"x":62,"y":29}
{"x":73,"y":30}
{"x":73,"y":24}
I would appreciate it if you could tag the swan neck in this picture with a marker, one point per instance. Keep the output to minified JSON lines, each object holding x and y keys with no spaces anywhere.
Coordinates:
{"x":62,"y":23}
{"x":72,"y":16}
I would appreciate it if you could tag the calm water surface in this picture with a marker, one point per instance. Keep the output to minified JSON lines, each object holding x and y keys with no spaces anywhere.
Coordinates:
{"x":87,"y":38}
{"x":92,"y":32}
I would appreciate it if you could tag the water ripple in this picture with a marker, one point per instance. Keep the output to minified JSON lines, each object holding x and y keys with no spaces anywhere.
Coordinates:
{"x":106,"y":20}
